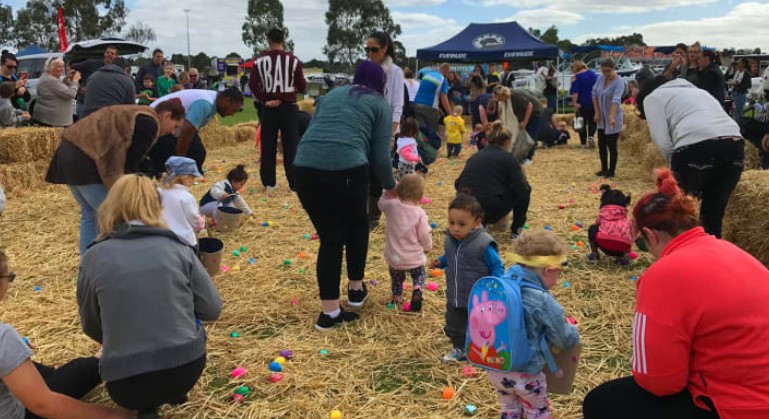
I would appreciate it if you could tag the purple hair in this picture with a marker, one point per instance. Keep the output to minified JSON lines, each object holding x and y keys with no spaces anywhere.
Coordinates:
{"x":369,"y":77}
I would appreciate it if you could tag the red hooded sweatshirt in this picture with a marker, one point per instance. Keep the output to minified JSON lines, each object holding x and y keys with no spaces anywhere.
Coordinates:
{"x":277,"y":74}
{"x":702,"y":323}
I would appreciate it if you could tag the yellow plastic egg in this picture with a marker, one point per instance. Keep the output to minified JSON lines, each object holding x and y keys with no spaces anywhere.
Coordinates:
{"x":280,"y":360}
{"x":335,"y":414}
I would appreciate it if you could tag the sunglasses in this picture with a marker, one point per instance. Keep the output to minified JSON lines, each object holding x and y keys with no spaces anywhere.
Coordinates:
{"x":372,"y":50}
{"x":10,"y":277}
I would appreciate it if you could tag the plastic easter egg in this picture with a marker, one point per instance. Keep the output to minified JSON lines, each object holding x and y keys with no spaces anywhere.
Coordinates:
{"x":234,"y":335}
{"x":242,"y":248}
{"x":242,"y":390}
{"x":436,"y":272}
{"x":469,"y":371}
{"x":432,"y":286}
{"x":276,"y":378}
{"x":236,"y":398}
{"x":633,"y":255}
{"x":286,"y":262}
{"x":335,"y":414}
{"x":406,"y":306}
{"x":448,"y":393}
{"x":238,"y":372}
{"x":323,"y":352}
{"x":280,"y":360}
{"x":287,"y":353}
{"x":275,"y":366}
{"x":470,"y":410}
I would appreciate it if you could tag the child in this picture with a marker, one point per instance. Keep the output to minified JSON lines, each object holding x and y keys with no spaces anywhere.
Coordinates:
{"x":407,"y":237}
{"x":406,"y":146}
{"x":455,"y":132}
{"x":540,"y":258}
{"x":9,"y":116}
{"x":225,"y":193}
{"x":563,"y":134}
{"x":469,"y":254}
{"x":147,"y":95}
{"x":632,"y":87}
{"x":478,"y":137}
{"x":166,"y":82}
{"x":180,"y":210}
{"x":612,"y":232}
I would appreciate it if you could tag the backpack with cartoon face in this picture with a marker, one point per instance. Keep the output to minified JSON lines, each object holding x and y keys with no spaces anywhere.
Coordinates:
{"x":496,"y":330}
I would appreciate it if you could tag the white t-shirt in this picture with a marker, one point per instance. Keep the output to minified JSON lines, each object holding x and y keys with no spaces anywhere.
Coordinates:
{"x":199,"y":105}
{"x":181,"y":213}
{"x":411,"y":86}
{"x":13,"y":352}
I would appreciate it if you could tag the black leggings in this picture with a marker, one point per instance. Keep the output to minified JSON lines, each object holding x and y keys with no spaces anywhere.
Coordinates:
{"x":710,"y":170}
{"x":283,"y":118}
{"x":336,"y":204}
{"x":147,"y":392}
{"x":165,"y":147}
{"x":374,"y":193}
{"x":74,"y":379}
{"x":607,"y":150}
{"x":624,"y":398}
{"x":589,"y":127}
{"x":495,"y":208}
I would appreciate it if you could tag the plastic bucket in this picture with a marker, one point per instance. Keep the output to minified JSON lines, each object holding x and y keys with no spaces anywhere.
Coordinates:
{"x":211,"y":254}
{"x":227,"y":219}
{"x":567,"y":360}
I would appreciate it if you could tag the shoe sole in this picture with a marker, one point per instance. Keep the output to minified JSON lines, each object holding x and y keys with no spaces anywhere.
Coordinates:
{"x":358,"y":304}
{"x":326,"y":329}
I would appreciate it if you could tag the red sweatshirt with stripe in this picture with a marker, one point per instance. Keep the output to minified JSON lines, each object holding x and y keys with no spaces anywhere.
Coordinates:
{"x":277,"y":74}
{"x":702,"y":323}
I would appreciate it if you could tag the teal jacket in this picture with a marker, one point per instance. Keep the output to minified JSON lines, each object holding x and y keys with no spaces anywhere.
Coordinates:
{"x":347,"y":131}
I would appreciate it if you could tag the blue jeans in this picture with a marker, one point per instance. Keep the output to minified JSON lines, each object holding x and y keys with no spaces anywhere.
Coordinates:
{"x":739,"y":105}
{"x":552,"y":101}
{"x":533,"y":128}
{"x":89,"y":197}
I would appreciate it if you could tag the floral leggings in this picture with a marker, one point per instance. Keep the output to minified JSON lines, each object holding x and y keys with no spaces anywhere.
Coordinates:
{"x":398,"y":276}
{"x":519,"y":393}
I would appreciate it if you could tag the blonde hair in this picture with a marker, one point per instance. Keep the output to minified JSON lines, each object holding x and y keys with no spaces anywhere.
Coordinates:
{"x":499,"y":134}
{"x":53,"y":61}
{"x":540,"y":243}
{"x":578,"y":66}
{"x":183,"y":77}
{"x":459,"y":109}
{"x":410,"y":188}
{"x":131,"y":198}
{"x":502,"y":91}
{"x":168,"y":183}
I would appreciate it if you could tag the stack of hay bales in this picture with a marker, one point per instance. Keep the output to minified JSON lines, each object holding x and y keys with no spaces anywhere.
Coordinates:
{"x":215,"y":135}
{"x":752,"y":159}
{"x":745,"y":221}
{"x":24,"y":156}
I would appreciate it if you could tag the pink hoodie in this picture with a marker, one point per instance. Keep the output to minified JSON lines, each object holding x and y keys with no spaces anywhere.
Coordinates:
{"x":614,"y":225}
{"x":407,"y":235}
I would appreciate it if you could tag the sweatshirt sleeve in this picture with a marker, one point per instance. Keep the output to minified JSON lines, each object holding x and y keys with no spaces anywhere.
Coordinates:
{"x":493,"y":261}
{"x":217,"y":191}
{"x":618,"y":89}
{"x":659,"y":129}
{"x":380,"y":145}
{"x":191,"y":211}
{"x":519,"y":186}
{"x":255,"y":82}
{"x":88,"y":305}
{"x":397,"y":94}
{"x":208,"y":303}
{"x":241,"y":204}
{"x":300,"y":83}
{"x":63,"y":89}
{"x":558,"y":333}
{"x":424,"y":233}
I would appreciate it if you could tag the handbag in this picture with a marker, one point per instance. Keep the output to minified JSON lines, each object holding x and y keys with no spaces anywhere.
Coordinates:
{"x":578,"y":123}
{"x":523,"y":144}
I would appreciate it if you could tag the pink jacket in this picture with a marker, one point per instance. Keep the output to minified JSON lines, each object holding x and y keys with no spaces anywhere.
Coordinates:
{"x":614,"y":225}
{"x":407,"y":236}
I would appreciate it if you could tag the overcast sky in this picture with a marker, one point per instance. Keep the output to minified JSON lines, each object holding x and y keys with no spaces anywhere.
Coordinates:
{"x":215,"y":26}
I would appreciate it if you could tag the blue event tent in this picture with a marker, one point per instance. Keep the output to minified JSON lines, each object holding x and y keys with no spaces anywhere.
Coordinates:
{"x":31,"y":50}
{"x":490,"y":42}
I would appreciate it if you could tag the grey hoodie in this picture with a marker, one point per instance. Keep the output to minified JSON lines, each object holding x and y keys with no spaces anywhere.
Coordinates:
{"x":140,"y":293}
{"x":108,"y":86}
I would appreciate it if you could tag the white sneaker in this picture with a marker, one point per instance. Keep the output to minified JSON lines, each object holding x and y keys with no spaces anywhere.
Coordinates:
{"x":527,"y":162}
{"x":590,"y":142}
{"x":271,"y":189}
{"x":456,"y":355}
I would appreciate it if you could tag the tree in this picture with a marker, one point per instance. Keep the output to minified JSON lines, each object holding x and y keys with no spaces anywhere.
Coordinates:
{"x":6,"y":25}
{"x":535,"y":32}
{"x":550,"y":36}
{"x":140,"y":33}
{"x":349,"y":23}
{"x":201,"y":61}
{"x":261,"y":17}
{"x":36,"y":24}
{"x":624,"y":40}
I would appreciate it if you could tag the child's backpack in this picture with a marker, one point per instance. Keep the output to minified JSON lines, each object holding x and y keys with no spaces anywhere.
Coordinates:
{"x":496,"y":330}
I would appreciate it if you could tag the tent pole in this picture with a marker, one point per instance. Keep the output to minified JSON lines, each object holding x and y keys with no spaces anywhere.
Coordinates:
{"x":558,"y":88}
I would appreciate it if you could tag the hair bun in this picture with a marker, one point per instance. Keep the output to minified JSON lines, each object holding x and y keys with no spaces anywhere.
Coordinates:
{"x":666,"y":183}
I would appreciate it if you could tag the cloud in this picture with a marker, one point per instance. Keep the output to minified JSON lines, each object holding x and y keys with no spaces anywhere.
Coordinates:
{"x":414,"y":41}
{"x":420,"y":20}
{"x":720,"y":32}
{"x":539,"y":18}
{"x":413,"y":3}
{"x":603,"y":6}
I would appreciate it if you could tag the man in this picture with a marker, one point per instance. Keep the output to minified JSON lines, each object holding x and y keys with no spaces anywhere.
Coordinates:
{"x":479,"y":109}
{"x":275,"y":79}
{"x":201,"y":106}
{"x":8,"y":66}
{"x":432,"y":94}
{"x":153,"y":68}
{"x":195,"y":81}
{"x":540,"y":80}
{"x":492,"y":79}
{"x":711,"y":78}
{"x":88,"y":68}
{"x":108,"y":86}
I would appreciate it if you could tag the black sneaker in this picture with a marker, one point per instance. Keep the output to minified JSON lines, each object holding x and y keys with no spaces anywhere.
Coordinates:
{"x":416,"y":301}
{"x":356,"y":298}
{"x":326,"y":322}
{"x":601,"y":173}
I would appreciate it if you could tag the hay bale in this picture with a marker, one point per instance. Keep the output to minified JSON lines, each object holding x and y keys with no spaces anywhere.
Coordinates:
{"x":216,"y":136}
{"x":651,"y":158}
{"x":28,"y":144}
{"x":565,"y":117}
{"x":752,"y":159}
{"x":244,"y":133}
{"x":18,"y":177}
{"x":745,"y":223}
{"x":635,"y":133}
{"x":307,"y":105}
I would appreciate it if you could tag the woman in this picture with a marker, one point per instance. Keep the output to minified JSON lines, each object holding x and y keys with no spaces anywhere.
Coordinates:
{"x":607,"y":102}
{"x":701,"y":142}
{"x":693,"y":54}
{"x":348,"y":139}
{"x":505,"y":113}
{"x":97,"y":150}
{"x":582,"y":96}
{"x":476,"y":83}
{"x":412,"y":86}
{"x":455,"y":89}
{"x":678,"y":64}
{"x":741,"y":84}
{"x":495,"y":178}
{"x":43,"y":391}
{"x":711,"y":78}
{"x":142,"y":293}
{"x":54,"y":96}
{"x":551,"y":89}
{"x":701,"y":328}
{"x":528,"y":113}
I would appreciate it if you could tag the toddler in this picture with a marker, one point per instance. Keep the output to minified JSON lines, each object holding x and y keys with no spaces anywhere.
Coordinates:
{"x":469,"y":254}
{"x":563,"y":134}
{"x":147,"y":94}
{"x":478,"y":137}
{"x":166,"y":82}
{"x":180,"y":210}
{"x":406,"y":147}
{"x":407,"y":237}
{"x":455,"y":132}
{"x":540,"y":258}
{"x":613,"y":231}
{"x":9,"y":116}
{"x":225,"y":193}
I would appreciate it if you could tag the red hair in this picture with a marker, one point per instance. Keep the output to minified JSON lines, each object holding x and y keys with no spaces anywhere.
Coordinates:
{"x":666,"y":209}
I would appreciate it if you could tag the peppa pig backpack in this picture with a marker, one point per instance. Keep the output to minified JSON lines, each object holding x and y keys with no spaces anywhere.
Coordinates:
{"x":496,"y":330}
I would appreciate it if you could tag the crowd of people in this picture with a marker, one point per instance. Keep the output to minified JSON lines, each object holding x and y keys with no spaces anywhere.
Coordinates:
{"x":699,"y":334}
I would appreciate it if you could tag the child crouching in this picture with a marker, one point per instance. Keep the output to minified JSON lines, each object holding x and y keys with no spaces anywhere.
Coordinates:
{"x":225,"y":193}
{"x":540,"y":258}
{"x":613,"y":231}
{"x":180,"y":210}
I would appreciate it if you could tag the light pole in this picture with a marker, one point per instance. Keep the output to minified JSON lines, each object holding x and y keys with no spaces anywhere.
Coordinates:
{"x":189,"y":59}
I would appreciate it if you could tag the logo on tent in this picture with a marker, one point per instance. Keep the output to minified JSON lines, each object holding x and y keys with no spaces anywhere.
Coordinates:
{"x":488,"y":41}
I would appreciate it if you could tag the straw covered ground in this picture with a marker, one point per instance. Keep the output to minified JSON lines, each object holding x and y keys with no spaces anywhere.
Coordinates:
{"x":386,"y":365}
